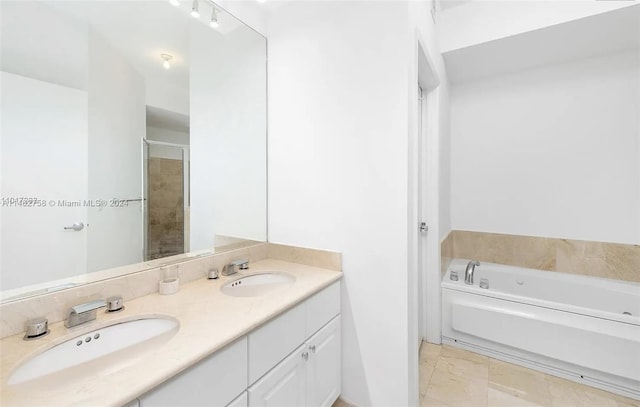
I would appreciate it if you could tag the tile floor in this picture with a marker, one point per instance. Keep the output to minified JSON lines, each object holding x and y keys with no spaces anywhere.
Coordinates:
{"x":452,"y":377}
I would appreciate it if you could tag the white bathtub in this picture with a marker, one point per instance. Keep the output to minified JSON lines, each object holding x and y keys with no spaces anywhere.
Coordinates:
{"x":582,"y":328}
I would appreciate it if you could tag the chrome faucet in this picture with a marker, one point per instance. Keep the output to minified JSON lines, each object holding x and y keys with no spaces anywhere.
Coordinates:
{"x":82,"y":313}
{"x":468,"y":272}
{"x":229,"y":269}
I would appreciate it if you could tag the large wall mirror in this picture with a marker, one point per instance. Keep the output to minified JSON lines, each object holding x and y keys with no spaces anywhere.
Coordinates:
{"x":133,"y":134}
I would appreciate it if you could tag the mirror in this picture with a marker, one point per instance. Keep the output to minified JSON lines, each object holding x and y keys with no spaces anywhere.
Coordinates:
{"x":132,"y":135}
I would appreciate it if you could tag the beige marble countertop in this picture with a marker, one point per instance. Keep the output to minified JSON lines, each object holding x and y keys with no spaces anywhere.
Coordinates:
{"x":209,"y":320}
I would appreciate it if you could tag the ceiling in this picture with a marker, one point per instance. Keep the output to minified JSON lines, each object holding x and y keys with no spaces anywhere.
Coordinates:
{"x":602,"y":34}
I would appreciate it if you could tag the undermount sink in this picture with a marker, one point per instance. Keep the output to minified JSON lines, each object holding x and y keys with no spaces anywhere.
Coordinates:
{"x":257,"y":284}
{"x":91,"y":351}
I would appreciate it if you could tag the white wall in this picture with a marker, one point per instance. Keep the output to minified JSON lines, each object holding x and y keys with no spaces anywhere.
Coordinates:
{"x":227,"y":135}
{"x":167,"y":96}
{"x":338,"y":171}
{"x":117,"y":125}
{"x":550,"y":152}
{"x":480,"y":21}
{"x":56,"y":54}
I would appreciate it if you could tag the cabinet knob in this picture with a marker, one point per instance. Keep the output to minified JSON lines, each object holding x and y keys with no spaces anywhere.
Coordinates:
{"x":305,"y":355}
{"x":312,"y":348}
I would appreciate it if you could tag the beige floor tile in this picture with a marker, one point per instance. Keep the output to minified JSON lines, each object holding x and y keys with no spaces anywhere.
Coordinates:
{"x":341,"y":403}
{"x":451,"y":352}
{"x":520,"y":382}
{"x":429,"y":402}
{"x":429,"y":353}
{"x":625,"y":402}
{"x":496,"y":398}
{"x":460,"y":365}
{"x":425,"y":373}
{"x":456,"y":390}
{"x":465,"y":379}
{"x":569,"y":394}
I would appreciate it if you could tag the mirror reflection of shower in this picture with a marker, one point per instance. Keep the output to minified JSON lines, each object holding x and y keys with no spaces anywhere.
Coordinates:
{"x":166,"y":184}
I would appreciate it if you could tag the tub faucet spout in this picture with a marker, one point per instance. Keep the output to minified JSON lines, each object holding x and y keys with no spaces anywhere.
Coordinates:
{"x":468,"y":272}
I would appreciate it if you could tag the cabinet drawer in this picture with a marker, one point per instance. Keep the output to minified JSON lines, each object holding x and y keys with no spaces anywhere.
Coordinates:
{"x":271,"y":343}
{"x":322,"y":307}
{"x":214,"y":381}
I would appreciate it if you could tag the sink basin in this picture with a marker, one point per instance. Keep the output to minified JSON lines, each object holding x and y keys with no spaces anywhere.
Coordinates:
{"x":92,"y":349}
{"x":257,"y":284}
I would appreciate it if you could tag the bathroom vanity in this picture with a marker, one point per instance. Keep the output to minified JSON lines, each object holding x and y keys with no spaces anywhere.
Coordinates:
{"x":292,"y":360}
{"x":280,"y":347}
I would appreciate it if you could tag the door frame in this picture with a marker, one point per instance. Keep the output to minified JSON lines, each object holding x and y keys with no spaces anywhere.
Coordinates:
{"x":424,"y":270}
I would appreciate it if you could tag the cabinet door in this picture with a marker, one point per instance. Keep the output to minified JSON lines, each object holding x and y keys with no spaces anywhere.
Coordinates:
{"x":214,"y":381}
{"x":284,"y":385}
{"x":323,"y":370}
{"x":240,"y":401}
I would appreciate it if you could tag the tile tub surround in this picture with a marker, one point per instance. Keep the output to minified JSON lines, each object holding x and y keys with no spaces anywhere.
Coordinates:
{"x":598,"y":259}
{"x":452,"y":377}
{"x":54,"y":305}
{"x":209,"y":320}
{"x":446,"y":253}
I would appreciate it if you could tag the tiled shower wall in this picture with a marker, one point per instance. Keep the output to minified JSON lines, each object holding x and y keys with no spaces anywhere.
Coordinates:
{"x":166,"y":208}
{"x":599,"y":259}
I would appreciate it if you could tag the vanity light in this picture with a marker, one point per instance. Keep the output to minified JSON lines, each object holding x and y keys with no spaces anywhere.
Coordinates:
{"x":214,"y":19}
{"x":175,"y":3}
{"x":194,"y":9}
{"x":167,"y":58}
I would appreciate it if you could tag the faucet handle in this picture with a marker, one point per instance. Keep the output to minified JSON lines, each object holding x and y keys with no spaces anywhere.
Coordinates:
{"x":115,"y":303}
{"x":36,"y":328}
{"x":243,"y":264}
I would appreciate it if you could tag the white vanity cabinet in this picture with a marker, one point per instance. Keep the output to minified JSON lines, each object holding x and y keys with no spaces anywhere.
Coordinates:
{"x":310,"y":374}
{"x":294,"y":360}
{"x":215,"y":381}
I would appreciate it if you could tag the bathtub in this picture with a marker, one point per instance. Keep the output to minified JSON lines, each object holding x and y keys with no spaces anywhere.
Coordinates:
{"x":585,"y":329}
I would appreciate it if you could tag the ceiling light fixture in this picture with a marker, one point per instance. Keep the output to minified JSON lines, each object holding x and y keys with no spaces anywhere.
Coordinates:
{"x":194,"y":9}
{"x":214,"y":19}
{"x":167,"y":58}
{"x":261,"y":1}
{"x":175,"y":3}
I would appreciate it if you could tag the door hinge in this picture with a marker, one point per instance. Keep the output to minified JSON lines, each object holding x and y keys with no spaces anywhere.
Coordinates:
{"x":424,"y":228}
